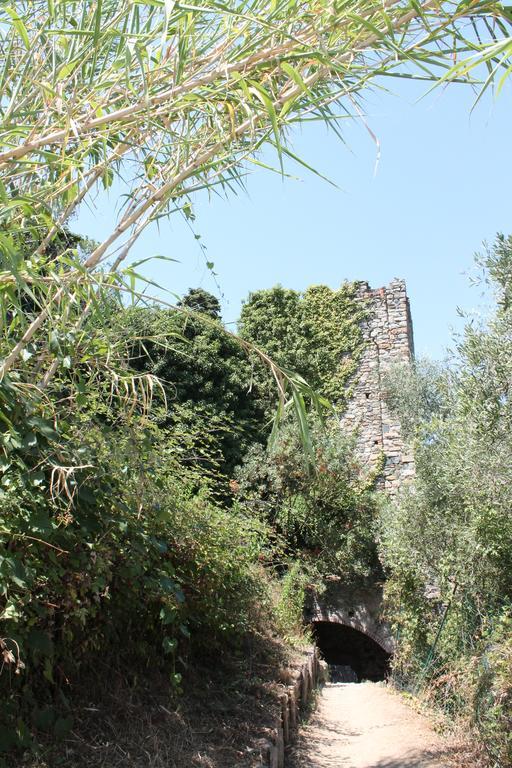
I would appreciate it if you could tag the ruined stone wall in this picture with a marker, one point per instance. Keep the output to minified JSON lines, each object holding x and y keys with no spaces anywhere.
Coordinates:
{"x":388,"y":339}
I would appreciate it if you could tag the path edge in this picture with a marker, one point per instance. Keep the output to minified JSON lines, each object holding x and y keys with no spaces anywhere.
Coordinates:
{"x":294,"y":702}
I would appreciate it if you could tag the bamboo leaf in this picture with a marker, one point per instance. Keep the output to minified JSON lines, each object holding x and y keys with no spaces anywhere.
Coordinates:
{"x":18,"y":25}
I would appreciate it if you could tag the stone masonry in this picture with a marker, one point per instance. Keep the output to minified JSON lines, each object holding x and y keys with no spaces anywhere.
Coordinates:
{"x":388,"y":339}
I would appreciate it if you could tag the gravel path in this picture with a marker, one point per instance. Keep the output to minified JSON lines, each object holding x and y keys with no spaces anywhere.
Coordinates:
{"x":367,"y":726}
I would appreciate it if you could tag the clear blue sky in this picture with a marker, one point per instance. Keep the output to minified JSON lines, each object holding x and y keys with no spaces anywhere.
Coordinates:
{"x":442,"y":186}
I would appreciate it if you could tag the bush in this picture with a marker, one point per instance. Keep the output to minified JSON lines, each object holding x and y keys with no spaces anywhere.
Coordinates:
{"x":446,"y":543}
{"x":327,"y":514}
{"x":205,"y":373}
{"x":292,"y":599}
{"x":118,"y":555}
{"x":316,"y":333}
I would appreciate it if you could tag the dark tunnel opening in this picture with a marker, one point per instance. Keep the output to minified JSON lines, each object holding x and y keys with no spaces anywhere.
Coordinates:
{"x":351,"y":655}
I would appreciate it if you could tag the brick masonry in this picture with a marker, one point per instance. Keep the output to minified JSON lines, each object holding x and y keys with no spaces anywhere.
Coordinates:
{"x":388,"y":339}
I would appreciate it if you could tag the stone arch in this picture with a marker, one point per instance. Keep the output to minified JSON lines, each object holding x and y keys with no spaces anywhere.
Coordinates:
{"x":359,"y":608}
{"x":352,"y":653}
{"x":381,"y":641}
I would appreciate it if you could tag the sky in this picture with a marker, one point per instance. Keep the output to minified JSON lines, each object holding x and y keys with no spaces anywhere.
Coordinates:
{"x":418,"y":208}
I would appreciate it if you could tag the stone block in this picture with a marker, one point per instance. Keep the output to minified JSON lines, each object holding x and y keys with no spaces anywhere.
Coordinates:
{"x":323,"y":675}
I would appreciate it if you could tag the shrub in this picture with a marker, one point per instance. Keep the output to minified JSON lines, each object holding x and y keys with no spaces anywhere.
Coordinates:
{"x":446,"y":543}
{"x":126,"y":559}
{"x":325,"y":514}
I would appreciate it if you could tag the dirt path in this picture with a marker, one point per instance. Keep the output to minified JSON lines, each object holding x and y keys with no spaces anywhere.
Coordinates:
{"x":367,"y":726}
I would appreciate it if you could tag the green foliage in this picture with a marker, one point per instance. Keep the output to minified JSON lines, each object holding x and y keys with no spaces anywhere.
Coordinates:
{"x":205,"y":374}
{"x":327,"y":516}
{"x":292,"y":600}
{"x":199,"y":300}
{"x":112,"y":545}
{"x":320,"y":521}
{"x":275,"y":67}
{"x":79,"y":79}
{"x":491,"y":688}
{"x":112,"y":550}
{"x":447,"y":543}
{"x":336,"y":341}
{"x":322,"y":514}
{"x":417,"y":393}
{"x":316,"y":333}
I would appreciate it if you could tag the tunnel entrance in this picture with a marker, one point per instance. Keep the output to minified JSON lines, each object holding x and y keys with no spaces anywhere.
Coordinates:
{"x":345,"y":649}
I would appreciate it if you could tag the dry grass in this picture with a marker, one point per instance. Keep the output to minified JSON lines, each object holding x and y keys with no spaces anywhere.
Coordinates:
{"x":469,"y":754}
{"x":138,"y":722}
{"x":465,"y":749}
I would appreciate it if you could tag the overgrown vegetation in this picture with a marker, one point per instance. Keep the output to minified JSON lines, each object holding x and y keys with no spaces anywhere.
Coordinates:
{"x":118,"y":541}
{"x":316,"y":333}
{"x":205,"y":373}
{"x":325,"y":517}
{"x":321,"y":515}
{"x":447,"y":544}
{"x":123,"y":537}
{"x":126,"y":556}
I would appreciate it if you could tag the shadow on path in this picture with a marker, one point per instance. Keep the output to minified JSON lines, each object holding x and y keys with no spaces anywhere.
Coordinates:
{"x":368,"y":726}
{"x":300,"y":758}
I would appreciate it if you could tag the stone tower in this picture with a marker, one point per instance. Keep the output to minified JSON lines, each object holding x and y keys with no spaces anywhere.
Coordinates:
{"x":388,"y":339}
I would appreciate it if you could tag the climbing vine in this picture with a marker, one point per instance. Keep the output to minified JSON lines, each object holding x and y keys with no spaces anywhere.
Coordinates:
{"x":316,"y":333}
{"x":335,"y":317}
